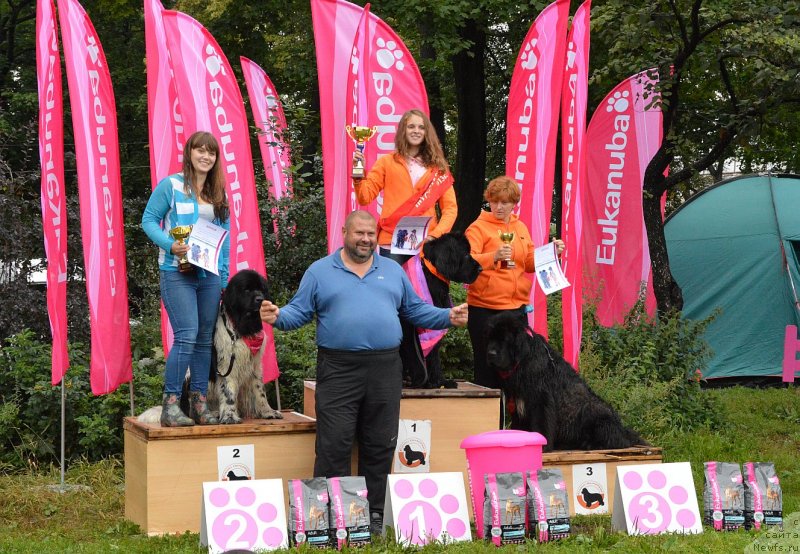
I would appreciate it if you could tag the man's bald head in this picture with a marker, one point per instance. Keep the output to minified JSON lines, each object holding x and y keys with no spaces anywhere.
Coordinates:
{"x":360,"y":216}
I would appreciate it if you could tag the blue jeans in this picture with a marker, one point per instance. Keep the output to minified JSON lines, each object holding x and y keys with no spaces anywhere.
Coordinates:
{"x":192,"y":303}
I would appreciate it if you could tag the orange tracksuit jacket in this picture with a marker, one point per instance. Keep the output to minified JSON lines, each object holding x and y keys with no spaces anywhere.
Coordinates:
{"x":500,"y":289}
{"x":390,"y":175}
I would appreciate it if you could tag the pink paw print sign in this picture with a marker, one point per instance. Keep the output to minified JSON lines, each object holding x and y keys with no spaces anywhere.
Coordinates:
{"x":248,"y":515}
{"x":656,"y":498}
{"x":426,"y":508}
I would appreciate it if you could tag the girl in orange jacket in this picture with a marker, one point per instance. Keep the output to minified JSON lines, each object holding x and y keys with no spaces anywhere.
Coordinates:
{"x":417,"y":158}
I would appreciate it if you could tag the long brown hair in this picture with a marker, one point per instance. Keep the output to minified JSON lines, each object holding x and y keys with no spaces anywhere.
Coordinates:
{"x":214,"y":189}
{"x":430,"y":151}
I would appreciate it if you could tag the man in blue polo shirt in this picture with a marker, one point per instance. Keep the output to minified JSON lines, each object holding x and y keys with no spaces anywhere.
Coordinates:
{"x":358,"y":298}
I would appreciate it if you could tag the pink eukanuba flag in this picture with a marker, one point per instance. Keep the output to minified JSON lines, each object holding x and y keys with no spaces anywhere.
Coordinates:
{"x":163,"y":117}
{"x":532,"y":127}
{"x":573,"y":178}
{"x":94,"y":122}
{"x":271,"y":123}
{"x":622,"y":137}
{"x":51,"y":157}
{"x":393,"y":86}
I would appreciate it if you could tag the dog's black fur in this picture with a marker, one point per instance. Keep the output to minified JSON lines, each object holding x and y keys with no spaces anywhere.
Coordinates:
{"x":590,"y":498}
{"x":449,"y":254}
{"x":548,"y":395}
{"x":413,"y":455}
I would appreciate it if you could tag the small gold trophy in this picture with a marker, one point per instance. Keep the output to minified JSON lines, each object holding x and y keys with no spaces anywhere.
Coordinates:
{"x":360,"y":136}
{"x":181,"y":233}
{"x":508,"y":238}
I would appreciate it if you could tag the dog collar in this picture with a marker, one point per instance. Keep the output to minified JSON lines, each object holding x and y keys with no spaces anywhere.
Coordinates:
{"x":433,"y":269}
{"x":507,"y":374}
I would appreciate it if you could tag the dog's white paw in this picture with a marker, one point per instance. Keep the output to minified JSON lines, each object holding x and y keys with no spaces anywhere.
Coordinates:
{"x":271,"y":414}
{"x":230,"y":419}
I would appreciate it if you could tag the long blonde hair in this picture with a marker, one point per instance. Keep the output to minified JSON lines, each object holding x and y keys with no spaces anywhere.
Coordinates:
{"x":214,"y":189}
{"x":430,"y":151}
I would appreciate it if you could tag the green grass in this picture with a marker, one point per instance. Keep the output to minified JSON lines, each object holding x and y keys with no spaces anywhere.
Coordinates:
{"x":760,"y":425}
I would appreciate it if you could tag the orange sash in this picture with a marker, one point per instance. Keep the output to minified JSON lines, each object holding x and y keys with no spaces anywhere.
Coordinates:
{"x":423,"y":198}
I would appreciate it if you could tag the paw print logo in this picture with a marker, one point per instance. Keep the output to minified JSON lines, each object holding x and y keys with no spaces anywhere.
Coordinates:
{"x":389,"y":55}
{"x":354,"y":61}
{"x":529,"y":59}
{"x":651,"y":509}
{"x":421,"y":520}
{"x":618,"y":102}
{"x":235,"y":525}
{"x":213,"y":61}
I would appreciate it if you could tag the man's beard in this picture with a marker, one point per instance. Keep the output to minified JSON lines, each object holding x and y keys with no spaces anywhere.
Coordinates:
{"x":356,"y":256}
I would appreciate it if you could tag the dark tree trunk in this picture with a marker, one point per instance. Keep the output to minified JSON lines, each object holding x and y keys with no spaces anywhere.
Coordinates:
{"x":558,"y":182}
{"x":470,"y":168}
{"x":432,"y":81}
{"x":669,"y":296}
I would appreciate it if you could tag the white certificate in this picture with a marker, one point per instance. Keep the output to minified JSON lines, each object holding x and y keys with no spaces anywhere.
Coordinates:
{"x":205,"y":245}
{"x":409,"y":234}
{"x":548,"y":269}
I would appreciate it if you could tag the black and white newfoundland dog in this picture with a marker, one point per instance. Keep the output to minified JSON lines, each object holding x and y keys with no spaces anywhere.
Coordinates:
{"x":235,"y":388}
{"x":235,"y":384}
{"x":547,"y":394}
{"x":443,"y":259}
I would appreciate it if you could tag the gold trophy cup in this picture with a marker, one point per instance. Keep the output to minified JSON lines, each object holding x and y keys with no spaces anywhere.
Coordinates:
{"x":181,"y":233}
{"x":360,"y":136}
{"x":507,"y":238}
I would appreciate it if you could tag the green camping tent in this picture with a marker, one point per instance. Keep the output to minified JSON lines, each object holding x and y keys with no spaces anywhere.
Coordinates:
{"x":736,"y":246}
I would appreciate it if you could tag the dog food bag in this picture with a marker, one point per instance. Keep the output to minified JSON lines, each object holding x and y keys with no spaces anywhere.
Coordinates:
{"x":763,"y":499}
{"x":349,"y":511}
{"x":308,"y":512}
{"x":723,"y":496}
{"x":504,"y":520}
{"x":548,"y":505}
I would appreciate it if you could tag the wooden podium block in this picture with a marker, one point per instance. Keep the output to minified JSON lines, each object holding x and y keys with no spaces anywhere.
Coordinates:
{"x":566,"y":459}
{"x":455,"y":414}
{"x":165,"y":467}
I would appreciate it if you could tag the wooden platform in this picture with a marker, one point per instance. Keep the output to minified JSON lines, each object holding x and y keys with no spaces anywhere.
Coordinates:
{"x":165,"y":467}
{"x":566,"y":459}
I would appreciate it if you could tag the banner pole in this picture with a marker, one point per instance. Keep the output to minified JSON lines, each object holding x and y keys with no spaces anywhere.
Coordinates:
{"x":133,"y":412}
{"x":277,"y":395}
{"x":63,"y":420}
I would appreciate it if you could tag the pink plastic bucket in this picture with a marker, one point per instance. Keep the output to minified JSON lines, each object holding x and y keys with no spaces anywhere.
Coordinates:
{"x":499,"y":452}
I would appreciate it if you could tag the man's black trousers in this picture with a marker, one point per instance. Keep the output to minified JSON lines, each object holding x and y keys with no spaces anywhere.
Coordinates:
{"x":358,"y":397}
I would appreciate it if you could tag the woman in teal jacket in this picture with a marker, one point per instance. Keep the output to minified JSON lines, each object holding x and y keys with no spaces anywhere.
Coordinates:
{"x":190,"y":298}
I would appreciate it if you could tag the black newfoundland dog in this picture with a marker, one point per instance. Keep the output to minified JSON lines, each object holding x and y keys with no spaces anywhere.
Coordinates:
{"x":547,"y":394}
{"x":449,"y":257}
{"x":236,"y":387}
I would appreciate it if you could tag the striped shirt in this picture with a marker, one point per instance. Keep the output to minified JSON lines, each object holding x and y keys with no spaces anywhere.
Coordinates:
{"x":168,"y":207}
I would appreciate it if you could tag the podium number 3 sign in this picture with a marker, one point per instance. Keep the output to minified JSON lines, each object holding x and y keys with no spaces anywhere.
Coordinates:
{"x":656,"y":498}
